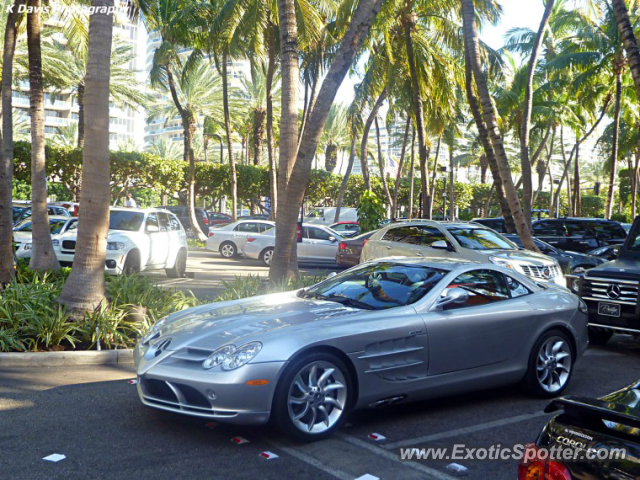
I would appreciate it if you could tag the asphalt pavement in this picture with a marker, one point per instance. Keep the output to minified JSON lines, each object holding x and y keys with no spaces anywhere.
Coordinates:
{"x":92,"y":416}
{"x":206,"y":272}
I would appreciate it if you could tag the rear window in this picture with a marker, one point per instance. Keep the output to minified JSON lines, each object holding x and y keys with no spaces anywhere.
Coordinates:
{"x":607,"y":230}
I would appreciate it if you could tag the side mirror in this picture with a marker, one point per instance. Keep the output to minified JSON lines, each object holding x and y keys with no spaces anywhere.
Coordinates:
{"x":441,"y":245}
{"x":331,"y":275}
{"x":333,"y":239}
{"x":616,"y":251}
{"x":153,"y":229}
{"x":452,"y":296}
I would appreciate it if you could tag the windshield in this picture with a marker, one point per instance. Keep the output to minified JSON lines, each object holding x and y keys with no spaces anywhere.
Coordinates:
{"x":128,"y":221}
{"x":16,"y":212}
{"x":54,"y":226}
{"x":608,"y":230}
{"x":480,"y":239}
{"x":378,"y":286}
{"x":316,"y":213}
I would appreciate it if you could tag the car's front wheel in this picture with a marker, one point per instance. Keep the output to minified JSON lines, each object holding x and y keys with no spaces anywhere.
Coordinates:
{"x":266,"y":256}
{"x":313,"y":397}
{"x":550,"y":365}
{"x":599,"y":336}
{"x":131,"y":263}
{"x":179,"y":267}
{"x":228,"y":250}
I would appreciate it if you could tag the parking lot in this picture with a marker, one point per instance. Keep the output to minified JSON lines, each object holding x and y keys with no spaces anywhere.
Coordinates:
{"x":206,"y":272}
{"x":93,"y":417}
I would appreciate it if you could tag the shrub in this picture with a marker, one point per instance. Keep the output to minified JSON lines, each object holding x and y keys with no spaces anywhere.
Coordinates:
{"x":252,"y":285}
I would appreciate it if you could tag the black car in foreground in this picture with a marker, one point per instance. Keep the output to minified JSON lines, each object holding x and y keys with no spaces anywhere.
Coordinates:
{"x":569,"y":261}
{"x":597,"y":439}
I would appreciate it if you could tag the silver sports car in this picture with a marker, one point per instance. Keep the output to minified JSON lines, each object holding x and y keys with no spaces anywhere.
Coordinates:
{"x":393,"y":330}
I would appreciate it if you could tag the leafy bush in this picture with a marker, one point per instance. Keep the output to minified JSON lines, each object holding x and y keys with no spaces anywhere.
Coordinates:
{"x":371,"y":211}
{"x":252,"y":285}
{"x":194,"y":242}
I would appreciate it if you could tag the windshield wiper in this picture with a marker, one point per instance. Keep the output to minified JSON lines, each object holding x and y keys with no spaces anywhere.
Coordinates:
{"x":352,"y":302}
{"x":304,"y":293}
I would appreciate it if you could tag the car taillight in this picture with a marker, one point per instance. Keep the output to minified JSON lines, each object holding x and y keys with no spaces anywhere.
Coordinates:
{"x":210,"y":234}
{"x":76,"y":208}
{"x":536,"y":469}
{"x":206,"y":221}
{"x":342,"y":246}
{"x":365,"y":242}
{"x":251,"y":239}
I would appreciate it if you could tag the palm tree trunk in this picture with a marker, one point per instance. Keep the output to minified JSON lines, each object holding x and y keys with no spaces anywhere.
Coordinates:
{"x":418,"y":110}
{"x":342,"y":59}
{"x":364,"y":145}
{"x":42,"y":256}
{"x":6,"y":168}
{"x":542,"y":169}
{"x":614,"y":150}
{"x":471,"y":38}
{"x":345,"y":179}
{"x":396,"y":188}
{"x":227,"y":128}
{"x":273,"y":171}
{"x":483,"y":134}
{"x":434,"y":173}
{"x":577,"y":196}
{"x":525,"y":126}
{"x":258,"y":134}
{"x":412,"y":171}
{"x":634,"y":191}
{"x":81,"y":114}
{"x":629,"y":41}
{"x":312,"y":100}
{"x":425,"y":205}
{"x":452,"y":212}
{"x":84,"y":290}
{"x":381,"y":165}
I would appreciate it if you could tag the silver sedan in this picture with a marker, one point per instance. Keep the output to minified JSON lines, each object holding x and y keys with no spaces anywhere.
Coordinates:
{"x":384,"y":332}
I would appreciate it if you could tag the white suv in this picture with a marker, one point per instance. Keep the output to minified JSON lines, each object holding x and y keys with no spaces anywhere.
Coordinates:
{"x":138,"y":239}
{"x":459,"y":241}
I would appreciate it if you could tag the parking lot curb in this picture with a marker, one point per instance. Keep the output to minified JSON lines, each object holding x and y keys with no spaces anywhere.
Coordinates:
{"x":66,"y":359}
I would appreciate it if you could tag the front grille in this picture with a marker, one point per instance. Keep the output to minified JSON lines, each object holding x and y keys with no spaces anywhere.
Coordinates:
{"x":605,"y":289}
{"x":68,"y":244}
{"x":175,"y":393}
{"x":541,"y":271}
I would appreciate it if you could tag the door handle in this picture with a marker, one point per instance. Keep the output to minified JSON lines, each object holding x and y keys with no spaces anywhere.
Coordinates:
{"x":388,"y":247}
{"x":418,"y":254}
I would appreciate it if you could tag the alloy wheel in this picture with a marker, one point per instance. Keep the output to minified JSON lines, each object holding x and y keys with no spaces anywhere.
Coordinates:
{"x":317,"y":397}
{"x":227,"y":250}
{"x":553,"y":365}
{"x":267,"y":256}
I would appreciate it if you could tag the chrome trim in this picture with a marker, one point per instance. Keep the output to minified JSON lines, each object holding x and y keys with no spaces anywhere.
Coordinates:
{"x":384,"y":354}
{"x":614,"y":328}
{"x":394,"y":367}
{"x":609,"y":300}
{"x":632,"y":282}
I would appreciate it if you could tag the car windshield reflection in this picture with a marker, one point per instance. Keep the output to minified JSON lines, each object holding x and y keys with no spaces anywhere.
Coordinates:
{"x":128,"y":221}
{"x":379,"y":286}
{"x":480,"y":239}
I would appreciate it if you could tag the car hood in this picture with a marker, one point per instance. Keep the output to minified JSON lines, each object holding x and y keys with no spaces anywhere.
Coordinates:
{"x":620,"y":268}
{"x":112,"y":236}
{"x":523,"y":256}
{"x":22,"y":237}
{"x":211,"y":326}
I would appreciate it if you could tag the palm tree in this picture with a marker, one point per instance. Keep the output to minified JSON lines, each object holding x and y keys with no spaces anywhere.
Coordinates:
{"x":629,"y":40}
{"x":85,"y":290}
{"x":334,"y":136}
{"x":6,"y":164}
{"x":195,"y":91}
{"x":66,"y":136}
{"x":164,"y":147}
{"x":42,"y":258}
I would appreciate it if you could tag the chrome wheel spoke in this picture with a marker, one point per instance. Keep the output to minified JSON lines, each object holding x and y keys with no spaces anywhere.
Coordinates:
{"x":563,"y":367}
{"x":544,"y":376}
{"x":332,"y":401}
{"x":325,"y":376}
{"x":301,"y":385}
{"x":312,"y":422}
{"x":304,"y":411}
{"x":562,"y":355}
{"x":297,"y":401}
{"x":556,"y":347}
{"x":325,"y":414}
{"x":333,"y":386}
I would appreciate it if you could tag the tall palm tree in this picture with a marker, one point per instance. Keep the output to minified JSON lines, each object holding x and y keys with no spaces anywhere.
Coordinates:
{"x":42,"y":257}
{"x":85,"y":289}
{"x":334,"y":136}
{"x":629,"y":40}
{"x":164,"y":147}
{"x":6,"y":164}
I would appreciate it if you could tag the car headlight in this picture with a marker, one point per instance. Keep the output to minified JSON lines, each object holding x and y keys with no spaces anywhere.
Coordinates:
{"x":229,"y":357}
{"x":573,"y":283}
{"x":27,"y":246}
{"x":583,"y":307}
{"x":153,"y":332}
{"x":501,"y":262}
{"x":55,"y":243}
{"x":115,"y":246}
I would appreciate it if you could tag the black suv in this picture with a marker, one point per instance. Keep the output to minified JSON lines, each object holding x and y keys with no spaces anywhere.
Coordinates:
{"x":579,"y":234}
{"x":183,"y":215}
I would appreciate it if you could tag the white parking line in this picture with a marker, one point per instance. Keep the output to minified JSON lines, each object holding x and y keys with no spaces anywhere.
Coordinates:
{"x":463,"y":431}
{"x":431,"y":472}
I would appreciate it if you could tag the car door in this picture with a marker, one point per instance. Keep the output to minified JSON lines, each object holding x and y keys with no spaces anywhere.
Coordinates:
{"x":487,"y":329}
{"x":242,"y":232}
{"x":158,"y":240}
{"x":321,"y":246}
{"x":550,"y":231}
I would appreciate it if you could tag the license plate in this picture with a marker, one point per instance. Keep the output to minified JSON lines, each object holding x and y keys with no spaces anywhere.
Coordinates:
{"x":609,"y":309}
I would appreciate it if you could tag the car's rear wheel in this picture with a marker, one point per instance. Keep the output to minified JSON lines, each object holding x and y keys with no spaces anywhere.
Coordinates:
{"x":313,"y":397}
{"x":132,"y":263}
{"x":599,"y":336}
{"x":266,"y":256}
{"x":550,"y":365}
{"x":228,"y":250}
{"x":179,"y":267}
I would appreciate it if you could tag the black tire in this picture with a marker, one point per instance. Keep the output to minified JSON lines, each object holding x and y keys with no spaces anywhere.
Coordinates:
{"x":266,"y":255}
{"x":131,"y":263}
{"x":531,"y":382}
{"x":599,"y":336}
{"x":180,"y":266}
{"x":228,"y":249}
{"x":281,"y":413}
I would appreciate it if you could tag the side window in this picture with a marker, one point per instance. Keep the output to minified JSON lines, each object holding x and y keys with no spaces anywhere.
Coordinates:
{"x":483,"y":286}
{"x":390,"y":234}
{"x":411,"y":235}
{"x":164,"y":222}
{"x":516,"y":289}
{"x":318,"y":234}
{"x":174,"y":223}
{"x":546,"y":228}
{"x":152,"y":221}
{"x":576,"y":229}
{"x":249,"y":227}
{"x":263,"y":227}
{"x":432,"y":234}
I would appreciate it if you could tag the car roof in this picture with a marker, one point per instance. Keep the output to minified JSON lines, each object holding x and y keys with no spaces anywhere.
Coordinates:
{"x":352,"y":222}
{"x":438,"y":223}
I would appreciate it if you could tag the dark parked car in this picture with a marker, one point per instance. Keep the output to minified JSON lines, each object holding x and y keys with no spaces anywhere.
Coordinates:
{"x":23,"y":211}
{"x":607,"y":428}
{"x":496,"y":224}
{"x":183,"y":215}
{"x":349,"y":249}
{"x":610,"y":252}
{"x":217,"y":218}
{"x":569,"y":261}
{"x":579,"y":234}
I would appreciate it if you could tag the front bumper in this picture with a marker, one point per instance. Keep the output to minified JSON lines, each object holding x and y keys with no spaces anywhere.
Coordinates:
{"x":114,"y":261}
{"x":186,"y":388}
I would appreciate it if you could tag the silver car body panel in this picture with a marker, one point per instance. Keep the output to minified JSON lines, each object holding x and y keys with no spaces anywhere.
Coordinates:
{"x":413,"y":352}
